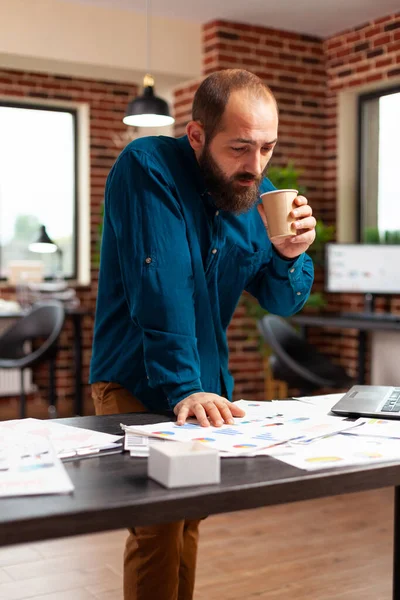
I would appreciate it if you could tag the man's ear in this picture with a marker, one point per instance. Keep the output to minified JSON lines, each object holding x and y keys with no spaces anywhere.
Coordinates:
{"x":196,"y":136}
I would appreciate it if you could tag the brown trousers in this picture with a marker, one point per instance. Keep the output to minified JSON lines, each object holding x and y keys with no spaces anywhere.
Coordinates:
{"x":159,"y":560}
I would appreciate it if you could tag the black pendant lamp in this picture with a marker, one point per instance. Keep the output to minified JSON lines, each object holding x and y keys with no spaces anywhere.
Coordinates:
{"x":148,"y":110}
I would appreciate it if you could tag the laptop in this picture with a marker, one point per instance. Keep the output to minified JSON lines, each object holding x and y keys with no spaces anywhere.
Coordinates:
{"x":370,"y":401}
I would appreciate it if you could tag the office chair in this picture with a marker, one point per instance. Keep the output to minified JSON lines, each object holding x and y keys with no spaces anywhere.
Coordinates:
{"x":45,"y":320}
{"x":297,"y":362}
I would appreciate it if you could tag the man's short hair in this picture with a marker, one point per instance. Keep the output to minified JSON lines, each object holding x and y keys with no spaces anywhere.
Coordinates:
{"x":213,"y":94}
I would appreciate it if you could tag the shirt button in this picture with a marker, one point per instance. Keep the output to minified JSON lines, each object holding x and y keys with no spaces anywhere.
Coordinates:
{"x":214,"y":251}
{"x":291,"y":270}
{"x":217,"y":213}
{"x":299,"y":293}
{"x":148,"y":260}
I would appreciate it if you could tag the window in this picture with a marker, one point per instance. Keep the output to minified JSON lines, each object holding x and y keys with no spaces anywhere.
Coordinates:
{"x":38,"y":185}
{"x":378,"y":188}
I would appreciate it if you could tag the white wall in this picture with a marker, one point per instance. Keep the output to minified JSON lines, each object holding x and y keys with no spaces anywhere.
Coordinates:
{"x":93,"y":41}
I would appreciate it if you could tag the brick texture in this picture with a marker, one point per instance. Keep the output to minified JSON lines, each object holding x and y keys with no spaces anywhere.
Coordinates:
{"x":293,"y":65}
{"x":108,"y":135}
{"x":354,"y":57}
{"x":305,"y":73}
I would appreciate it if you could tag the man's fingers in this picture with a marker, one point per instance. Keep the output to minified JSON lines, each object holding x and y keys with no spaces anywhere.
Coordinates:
{"x":236,"y":410}
{"x":299,"y":200}
{"x":306,"y":223}
{"x":213,"y":412}
{"x":182,"y":415}
{"x":201,"y":415}
{"x":225,"y":410}
{"x":303,"y":237}
{"x":207,"y":408}
{"x":301,"y":212}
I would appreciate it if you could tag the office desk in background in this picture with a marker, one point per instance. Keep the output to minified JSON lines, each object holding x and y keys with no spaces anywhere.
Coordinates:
{"x":113,"y":492}
{"x":76,"y":315}
{"x":362,"y":324}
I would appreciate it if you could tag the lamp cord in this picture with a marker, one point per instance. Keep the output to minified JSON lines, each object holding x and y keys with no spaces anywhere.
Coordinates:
{"x":148,"y":36}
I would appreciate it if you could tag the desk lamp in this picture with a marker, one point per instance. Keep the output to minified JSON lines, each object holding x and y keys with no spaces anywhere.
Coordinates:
{"x":45,"y":245}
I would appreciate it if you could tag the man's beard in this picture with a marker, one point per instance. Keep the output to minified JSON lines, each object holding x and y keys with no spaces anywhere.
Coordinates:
{"x":227,"y":192}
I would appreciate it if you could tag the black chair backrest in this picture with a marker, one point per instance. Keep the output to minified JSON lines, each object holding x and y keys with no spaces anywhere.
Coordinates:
{"x":45,"y":320}
{"x":300,"y":356}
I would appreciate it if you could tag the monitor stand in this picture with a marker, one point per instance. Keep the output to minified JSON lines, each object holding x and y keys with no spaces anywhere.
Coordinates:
{"x":369,"y":304}
{"x":369,"y":311}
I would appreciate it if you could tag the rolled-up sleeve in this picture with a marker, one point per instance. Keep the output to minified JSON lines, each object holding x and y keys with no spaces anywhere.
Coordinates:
{"x":283,"y":286}
{"x":157,"y":273}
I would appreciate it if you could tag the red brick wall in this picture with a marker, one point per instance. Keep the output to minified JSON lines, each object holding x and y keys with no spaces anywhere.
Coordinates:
{"x":366,"y":54}
{"x":107,"y":103}
{"x":355,"y":57}
{"x":293,"y":65}
{"x":305,"y":74}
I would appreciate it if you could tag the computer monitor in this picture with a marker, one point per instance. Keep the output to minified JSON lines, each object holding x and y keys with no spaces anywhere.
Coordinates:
{"x":363,"y":268}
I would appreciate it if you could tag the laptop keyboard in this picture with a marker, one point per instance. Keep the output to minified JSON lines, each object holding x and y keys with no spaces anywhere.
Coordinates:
{"x":393,"y":402}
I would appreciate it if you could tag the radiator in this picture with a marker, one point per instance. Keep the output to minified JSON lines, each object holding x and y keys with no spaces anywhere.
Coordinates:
{"x":10,"y":382}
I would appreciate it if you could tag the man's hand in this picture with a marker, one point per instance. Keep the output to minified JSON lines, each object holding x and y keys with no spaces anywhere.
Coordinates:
{"x":202,"y":405}
{"x":293,"y":246}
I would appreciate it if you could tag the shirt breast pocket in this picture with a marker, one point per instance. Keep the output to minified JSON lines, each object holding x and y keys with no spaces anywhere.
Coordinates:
{"x":235,"y":270}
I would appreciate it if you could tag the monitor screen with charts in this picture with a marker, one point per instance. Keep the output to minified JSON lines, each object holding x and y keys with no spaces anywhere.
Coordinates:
{"x":363,"y":268}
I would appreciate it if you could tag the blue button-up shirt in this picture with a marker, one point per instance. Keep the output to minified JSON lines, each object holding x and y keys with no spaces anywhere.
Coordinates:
{"x":172,"y":270}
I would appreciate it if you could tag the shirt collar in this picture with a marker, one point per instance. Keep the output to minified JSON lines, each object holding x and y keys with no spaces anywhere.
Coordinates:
{"x":191,"y":161}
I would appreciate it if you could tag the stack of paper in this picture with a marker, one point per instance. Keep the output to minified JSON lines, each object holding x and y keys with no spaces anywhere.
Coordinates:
{"x":297,"y":432}
{"x":339,"y":450}
{"x":68,"y":442}
{"x":265,"y":425}
{"x":30,"y":466}
{"x":138,"y":445}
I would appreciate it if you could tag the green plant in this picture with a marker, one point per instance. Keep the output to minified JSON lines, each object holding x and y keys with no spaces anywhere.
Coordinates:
{"x":323,"y":235}
{"x":372,"y":235}
{"x":391,"y":237}
{"x":96,"y":256}
{"x":286,"y":177}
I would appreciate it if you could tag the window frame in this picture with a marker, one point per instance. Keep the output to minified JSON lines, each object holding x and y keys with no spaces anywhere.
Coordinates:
{"x":74,"y":111}
{"x":361,"y":99}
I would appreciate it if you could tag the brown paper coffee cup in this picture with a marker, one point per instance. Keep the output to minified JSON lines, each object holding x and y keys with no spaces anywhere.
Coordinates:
{"x":277,"y":206}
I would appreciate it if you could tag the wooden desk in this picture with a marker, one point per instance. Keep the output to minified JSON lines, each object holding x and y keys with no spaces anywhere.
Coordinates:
{"x":114,"y":492}
{"x":362,"y":324}
{"x":76,"y":314}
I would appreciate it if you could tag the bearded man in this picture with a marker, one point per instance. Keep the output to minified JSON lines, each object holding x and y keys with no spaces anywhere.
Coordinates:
{"x":184,"y":234}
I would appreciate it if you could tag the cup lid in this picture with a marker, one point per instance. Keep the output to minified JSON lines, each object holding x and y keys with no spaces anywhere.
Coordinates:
{"x":276,"y":191}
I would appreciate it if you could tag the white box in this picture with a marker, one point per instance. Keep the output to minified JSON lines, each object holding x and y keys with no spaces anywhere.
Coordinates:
{"x":181,"y":464}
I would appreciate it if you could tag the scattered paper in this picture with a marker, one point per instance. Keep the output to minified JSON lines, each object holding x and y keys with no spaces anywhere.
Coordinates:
{"x":337,"y":451}
{"x":387,"y":428}
{"x":323,"y":403}
{"x":67,"y":441}
{"x":265,"y":424}
{"x":29,"y":466}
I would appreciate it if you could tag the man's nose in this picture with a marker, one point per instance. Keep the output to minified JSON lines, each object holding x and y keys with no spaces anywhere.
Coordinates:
{"x":254,"y":164}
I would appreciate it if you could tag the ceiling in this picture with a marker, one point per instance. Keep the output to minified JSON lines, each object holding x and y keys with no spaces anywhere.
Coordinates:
{"x":314,"y":17}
